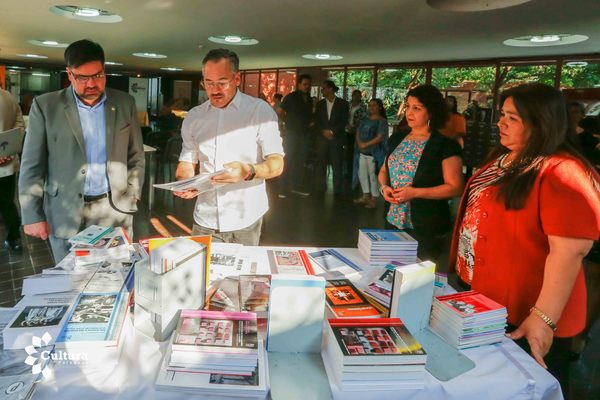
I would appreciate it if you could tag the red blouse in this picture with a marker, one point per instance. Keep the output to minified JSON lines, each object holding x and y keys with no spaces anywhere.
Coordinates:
{"x":511,"y":246}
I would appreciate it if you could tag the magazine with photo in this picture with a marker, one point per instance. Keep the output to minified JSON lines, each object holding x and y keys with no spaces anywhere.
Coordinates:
{"x":344,"y":300}
{"x":290,"y":262}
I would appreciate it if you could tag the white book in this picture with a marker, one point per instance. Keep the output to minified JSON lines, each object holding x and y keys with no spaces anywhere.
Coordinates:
{"x":43,"y":284}
{"x":172,"y":254}
{"x":412,"y":294}
{"x":36,"y":316}
{"x":296,"y":312}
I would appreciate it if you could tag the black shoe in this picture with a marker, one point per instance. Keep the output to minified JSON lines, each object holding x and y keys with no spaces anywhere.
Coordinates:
{"x":14,"y":245}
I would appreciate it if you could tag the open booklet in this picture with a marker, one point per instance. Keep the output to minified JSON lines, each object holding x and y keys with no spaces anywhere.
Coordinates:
{"x":201,"y":182}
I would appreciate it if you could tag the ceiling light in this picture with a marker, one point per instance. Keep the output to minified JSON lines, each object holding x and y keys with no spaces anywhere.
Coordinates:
{"x":322,"y":56}
{"x":545,"y":40}
{"x":31,"y":56}
{"x":15,"y":67}
{"x":233,"y":40}
{"x":48,"y":43}
{"x":114,"y":74}
{"x":172,"y":69}
{"x":577,"y":64}
{"x":88,"y":14}
{"x":111,"y":63}
{"x":149,"y":55}
{"x":473,"y":5}
{"x":39,"y":74}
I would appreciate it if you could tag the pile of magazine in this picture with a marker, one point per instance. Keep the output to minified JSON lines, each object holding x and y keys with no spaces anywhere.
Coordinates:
{"x":372,"y":354}
{"x":468,"y":319}
{"x":381,"y":246}
{"x":215,"y":353}
{"x":97,"y":244}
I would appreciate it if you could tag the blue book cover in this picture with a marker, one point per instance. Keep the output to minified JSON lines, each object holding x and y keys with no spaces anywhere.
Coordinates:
{"x":387,"y":235}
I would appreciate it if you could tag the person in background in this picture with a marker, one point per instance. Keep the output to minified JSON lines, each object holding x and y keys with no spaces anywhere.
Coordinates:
{"x":371,"y":138}
{"x":231,"y":131}
{"x":526,"y":220}
{"x":358,"y":112}
{"x":10,"y":118}
{"x":296,"y":112}
{"x":422,"y":170}
{"x":83,"y":157}
{"x":456,"y":125}
{"x":277,"y":99}
{"x":331,"y":118}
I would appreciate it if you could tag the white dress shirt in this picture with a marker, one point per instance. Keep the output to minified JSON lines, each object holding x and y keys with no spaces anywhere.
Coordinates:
{"x":329,"y":107}
{"x":246,"y":131}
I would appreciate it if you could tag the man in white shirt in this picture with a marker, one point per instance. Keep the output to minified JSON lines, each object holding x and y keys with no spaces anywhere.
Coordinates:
{"x":231,"y":131}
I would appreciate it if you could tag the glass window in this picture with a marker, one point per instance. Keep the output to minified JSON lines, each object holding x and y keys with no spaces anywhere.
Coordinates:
{"x":580,"y":75}
{"x":464,"y":83}
{"x":394,"y":83}
{"x":287,"y":81}
{"x":268,"y":85}
{"x":251,"y":83}
{"x":361,"y":79}
{"x":518,"y":74}
{"x":337,"y":76}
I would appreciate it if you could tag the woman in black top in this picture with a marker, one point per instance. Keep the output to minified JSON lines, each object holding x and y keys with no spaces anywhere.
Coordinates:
{"x":422,"y":170}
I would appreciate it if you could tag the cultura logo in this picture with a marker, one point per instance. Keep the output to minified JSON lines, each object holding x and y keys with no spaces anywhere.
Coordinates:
{"x":39,"y":361}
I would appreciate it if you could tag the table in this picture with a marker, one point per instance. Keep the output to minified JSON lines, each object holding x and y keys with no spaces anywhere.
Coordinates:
{"x":503,"y":371}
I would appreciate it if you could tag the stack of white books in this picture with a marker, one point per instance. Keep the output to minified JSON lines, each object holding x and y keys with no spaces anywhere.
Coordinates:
{"x":468,"y":319}
{"x":108,"y":245}
{"x":215,"y":353}
{"x":372,"y":354}
{"x":381,"y":246}
{"x":173,"y":254}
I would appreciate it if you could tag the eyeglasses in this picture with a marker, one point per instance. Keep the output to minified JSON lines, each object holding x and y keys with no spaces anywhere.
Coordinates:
{"x":217,"y":84}
{"x":86,"y":78}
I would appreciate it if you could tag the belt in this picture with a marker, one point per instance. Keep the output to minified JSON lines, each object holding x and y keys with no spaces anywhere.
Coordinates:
{"x":94,"y":197}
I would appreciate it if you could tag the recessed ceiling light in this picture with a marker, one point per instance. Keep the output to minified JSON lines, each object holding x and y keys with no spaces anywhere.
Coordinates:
{"x":234,"y":40}
{"x":114,"y":74}
{"x":48,"y":43}
{"x":545,"y":40}
{"x":577,"y":64}
{"x":40,"y":74}
{"x":172,"y":69}
{"x":322,"y":56}
{"x":88,"y":14}
{"x":15,"y":67}
{"x":473,"y":5}
{"x":149,"y":55}
{"x":111,"y":63}
{"x":31,"y":56}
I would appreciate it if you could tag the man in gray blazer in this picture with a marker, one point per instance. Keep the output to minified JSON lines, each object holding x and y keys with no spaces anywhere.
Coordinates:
{"x":83,"y":156}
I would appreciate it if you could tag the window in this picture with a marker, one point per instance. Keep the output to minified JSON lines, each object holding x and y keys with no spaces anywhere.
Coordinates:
{"x":580,"y":75}
{"x":251,"y":83}
{"x":361,"y":79}
{"x":268,"y":85}
{"x":515,"y":75}
{"x":287,"y":81}
{"x":394,"y":83}
{"x":464,"y":83}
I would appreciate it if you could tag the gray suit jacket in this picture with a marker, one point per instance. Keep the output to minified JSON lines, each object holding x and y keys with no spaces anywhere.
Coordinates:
{"x":54,"y":165}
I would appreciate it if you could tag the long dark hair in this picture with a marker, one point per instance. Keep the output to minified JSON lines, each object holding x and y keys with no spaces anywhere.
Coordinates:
{"x":433,"y":100}
{"x":543,"y":110}
{"x":379,"y":102}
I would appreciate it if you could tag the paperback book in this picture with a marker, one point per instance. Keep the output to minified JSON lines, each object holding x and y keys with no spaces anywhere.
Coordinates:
{"x":290,"y":262}
{"x":344,"y":300}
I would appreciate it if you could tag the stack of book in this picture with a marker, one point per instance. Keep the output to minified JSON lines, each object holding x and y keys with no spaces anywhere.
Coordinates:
{"x":215,"y":353}
{"x":98,"y":244}
{"x":468,"y":319}
{"x":372,"y":354}
{"x":380,"y":288}
{"x":380,"y":246}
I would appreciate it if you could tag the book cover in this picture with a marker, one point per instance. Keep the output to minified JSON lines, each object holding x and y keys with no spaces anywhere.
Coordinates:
{"x":345,"y":300}
{"x":469,"y":303}
{"x":331,"y":259}
{"x":290,"y":262}
{"x":254,"y":293}
{"x":386,"y":236}
{"x":381,"y":337}
{"x":227,"y":331}
{"x":90,"y":235}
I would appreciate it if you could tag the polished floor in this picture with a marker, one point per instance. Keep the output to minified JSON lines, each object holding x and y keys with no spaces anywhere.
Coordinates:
{"x":325,"y":221}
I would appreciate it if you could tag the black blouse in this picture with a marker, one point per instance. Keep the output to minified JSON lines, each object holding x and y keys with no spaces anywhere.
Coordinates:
{"x":431,"y":217}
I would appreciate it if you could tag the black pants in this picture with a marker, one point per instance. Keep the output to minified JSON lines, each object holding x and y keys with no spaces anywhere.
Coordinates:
{"x":431,"y":247}
{"x":329,"y":151}
{"x":296,"y":151}
{"x":8,"y":209}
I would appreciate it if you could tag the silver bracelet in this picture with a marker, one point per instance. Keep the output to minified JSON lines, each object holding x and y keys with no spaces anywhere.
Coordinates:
{"x":381,"y":189}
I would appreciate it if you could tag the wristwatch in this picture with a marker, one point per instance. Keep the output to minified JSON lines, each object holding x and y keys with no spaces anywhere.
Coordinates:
{"x":252,"y":173}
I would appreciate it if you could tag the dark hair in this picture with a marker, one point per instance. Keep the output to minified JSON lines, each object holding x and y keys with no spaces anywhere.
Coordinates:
{"x":579,"y":106}
{"x":82,"y":52}
{"x":357,"y":91}
{"x":302,"y":77}
{"x":219,"y":54}
{"x":277,"y":96}
{"x":544,"y":112}
{"x":434,"y":102}
{"x":454,"y":104}
{"x":331,"y":84}
{"x":381,"y":107}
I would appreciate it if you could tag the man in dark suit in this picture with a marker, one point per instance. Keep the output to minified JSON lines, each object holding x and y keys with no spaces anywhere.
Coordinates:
{"x":331,"y":117}
{"x":83,"y":156}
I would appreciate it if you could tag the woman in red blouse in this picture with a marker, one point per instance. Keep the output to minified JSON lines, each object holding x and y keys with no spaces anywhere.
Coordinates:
{"x":526,"y":221}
